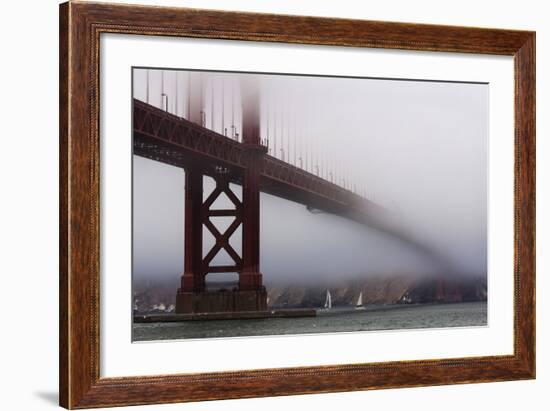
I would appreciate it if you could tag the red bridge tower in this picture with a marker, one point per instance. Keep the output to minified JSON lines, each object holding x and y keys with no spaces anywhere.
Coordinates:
{"x":250,"y":295}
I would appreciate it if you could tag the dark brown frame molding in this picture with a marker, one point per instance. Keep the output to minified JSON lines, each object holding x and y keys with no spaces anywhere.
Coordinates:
{"x":80,"y":27}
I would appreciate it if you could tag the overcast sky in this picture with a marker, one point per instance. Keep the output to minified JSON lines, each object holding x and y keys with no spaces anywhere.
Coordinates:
{"x":417,"y":148}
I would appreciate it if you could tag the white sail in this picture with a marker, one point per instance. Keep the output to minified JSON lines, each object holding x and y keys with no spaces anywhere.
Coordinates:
{"x":328,"y":300}
{"x":360,"y":300}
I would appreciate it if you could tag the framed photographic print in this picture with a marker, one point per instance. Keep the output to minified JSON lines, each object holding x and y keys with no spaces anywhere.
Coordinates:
{"x":257,"y":205}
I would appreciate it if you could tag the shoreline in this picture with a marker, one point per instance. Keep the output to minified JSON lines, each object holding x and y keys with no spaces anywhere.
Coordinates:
{"x":385,"y":318}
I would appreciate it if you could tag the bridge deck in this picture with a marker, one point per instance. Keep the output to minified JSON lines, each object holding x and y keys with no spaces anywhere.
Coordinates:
{"x":165,"y":137}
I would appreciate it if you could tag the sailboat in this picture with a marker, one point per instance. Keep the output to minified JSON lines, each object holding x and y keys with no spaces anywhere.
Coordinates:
{"x":328,"y":301}
{"x":359,"y":305}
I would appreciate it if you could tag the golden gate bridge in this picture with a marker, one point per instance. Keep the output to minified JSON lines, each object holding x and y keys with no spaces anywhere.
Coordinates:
{"x":213,"y":126}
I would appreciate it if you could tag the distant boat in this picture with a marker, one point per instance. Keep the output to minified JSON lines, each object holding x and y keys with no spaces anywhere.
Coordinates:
{"x":359,"y":305}
{"x":328,"y":301}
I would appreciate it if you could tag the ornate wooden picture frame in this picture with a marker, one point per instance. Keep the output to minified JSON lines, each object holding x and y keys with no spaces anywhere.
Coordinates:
{"x":81,"y":25}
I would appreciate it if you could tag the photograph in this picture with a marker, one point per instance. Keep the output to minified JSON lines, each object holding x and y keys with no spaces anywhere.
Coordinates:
{"x":268,"y":204}
{"x":275,"y":205}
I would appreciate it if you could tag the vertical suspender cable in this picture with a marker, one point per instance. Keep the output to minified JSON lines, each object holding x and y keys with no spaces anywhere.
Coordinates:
{"x":233,"y":109}
{"x":162,"y":89}
{"x":212,"y":105}
{"x":147,"y":88}
{"x":275,"y":135}
{"x":267,"y":124}
{"x":176,"y":96}
{"x":295,"y":126}
{"x":224,"y":131}
{"x":203,"y":101}
{"x":288,"y":138}
{"x":189,"y":95}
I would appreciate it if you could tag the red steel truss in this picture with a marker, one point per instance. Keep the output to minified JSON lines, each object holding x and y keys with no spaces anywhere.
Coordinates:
{"x":164,"y":137}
